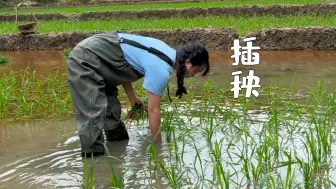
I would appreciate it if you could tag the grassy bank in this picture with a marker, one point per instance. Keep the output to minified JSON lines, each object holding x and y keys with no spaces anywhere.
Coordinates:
{"x":165,"y":6}
{"x":241,"y":24}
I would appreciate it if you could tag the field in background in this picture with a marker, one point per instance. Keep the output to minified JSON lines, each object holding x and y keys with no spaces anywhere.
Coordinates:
{"x":164,"y":6}
{"x":242,"y":24}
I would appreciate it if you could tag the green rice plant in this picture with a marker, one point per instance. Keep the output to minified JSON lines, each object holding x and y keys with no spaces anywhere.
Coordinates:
{"x":152,"y":157}
{"x":268,"y":181}
{"x":3,"y":60}
{"x":318,"y":100}
{"x":306,"y":169}
{"x":318,"y":150}
{"x":27,"y":96}
{"x":88,"y":175}
{"x":201,"y":4}
{"x":173,"y":148}
{"x":273,"y":131}
{"x":166,"y":125}
{"x":221,"y":177}
{"x":24,"y":106}
{"x":4,"y":99}
{"x":199,"y":174}
{"x":138,"y":113}
{"x":290,"y":176}
{"x":259,"y":161}
{"x":209,"y":130}
{"x":117,"y":181}
{"x":244,"y":159}
{"x":173,"y":175}
{"x":6,"y":92}
{"x":183,"y":136}
{"x":67,"y":53}
{"x":242,"y":24}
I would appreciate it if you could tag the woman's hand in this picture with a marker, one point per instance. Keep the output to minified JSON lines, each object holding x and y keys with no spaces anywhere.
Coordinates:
{"x":137,"y":107}
{"x":136,"y":101}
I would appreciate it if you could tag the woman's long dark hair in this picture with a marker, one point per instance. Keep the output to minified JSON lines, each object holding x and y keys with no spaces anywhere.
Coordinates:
{"x":197,"y":54}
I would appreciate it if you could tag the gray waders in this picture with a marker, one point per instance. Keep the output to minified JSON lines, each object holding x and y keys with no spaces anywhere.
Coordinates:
{"x":96,"y":66}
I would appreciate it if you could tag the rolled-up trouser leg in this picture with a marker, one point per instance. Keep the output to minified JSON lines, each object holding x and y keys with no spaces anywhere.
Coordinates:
{"x":114,"y":128}
{"x":87,"y":89}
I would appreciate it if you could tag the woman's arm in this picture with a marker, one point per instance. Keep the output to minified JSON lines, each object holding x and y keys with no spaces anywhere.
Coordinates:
{"x":130,"y":92}
{"x":154,"y":115}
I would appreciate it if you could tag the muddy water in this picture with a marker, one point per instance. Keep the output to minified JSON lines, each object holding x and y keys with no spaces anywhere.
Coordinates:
{"x":276,"y":67}
{"x":45,"y":154}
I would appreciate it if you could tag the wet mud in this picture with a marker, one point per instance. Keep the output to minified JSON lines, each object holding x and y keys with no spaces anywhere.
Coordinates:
{"x":277,"y":10}
{"x":105,"y":3}
{"x":316,"y":38}
{"x":310,"y":38}
{"x":213,"y":38}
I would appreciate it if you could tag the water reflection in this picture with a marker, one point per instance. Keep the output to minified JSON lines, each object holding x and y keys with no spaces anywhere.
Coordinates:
{"x":46,"y":154}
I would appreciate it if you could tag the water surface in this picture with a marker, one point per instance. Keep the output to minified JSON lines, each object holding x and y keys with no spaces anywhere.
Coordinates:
{"x":276,"y":67}
{"x":46,"y":154}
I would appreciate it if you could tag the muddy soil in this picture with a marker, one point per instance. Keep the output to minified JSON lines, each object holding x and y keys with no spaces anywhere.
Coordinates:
{"x":120,"y":2}
{"x":219,"y":39}
{"x":78,"y":3}
{"x":278,"y":10}
{"x":315,"y":38}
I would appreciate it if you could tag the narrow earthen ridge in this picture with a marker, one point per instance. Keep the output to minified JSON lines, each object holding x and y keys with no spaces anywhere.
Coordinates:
{"x":277,"y":10}
{"x":312,"y":38}
{"x":106,"y":3}
{"x":214,"y":39}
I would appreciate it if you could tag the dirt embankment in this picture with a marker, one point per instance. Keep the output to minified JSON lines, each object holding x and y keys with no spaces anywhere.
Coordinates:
{"x":218,"y":39}
{"x":76,"y":3}
{"x":278,"y":10}
{"x":312,"y":38}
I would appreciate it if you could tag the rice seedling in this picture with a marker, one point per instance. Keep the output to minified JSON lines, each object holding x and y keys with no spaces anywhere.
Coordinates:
{"x":3,"y":60}
{"x":200,"y":175}
{"x":290,"y":176}
{"x":152,"y":157}
{"x":221,"y":177}
{"x":88,"y":175}
{"x":290,"y":147}
{"x":67,"y":53}
{"x":318,"y":151}
{"x":27,"y":96}
{"x":241,"y":24}
{"x":172,"y":173}
{"x":201,"y":4}
{"x":117,"y":181}
{"x":138,"y":113}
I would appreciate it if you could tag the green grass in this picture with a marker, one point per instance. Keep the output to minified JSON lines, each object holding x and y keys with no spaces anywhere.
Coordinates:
{"x":164,"y":6}
{"x":3,"y":60}
{"x":241,"y":24}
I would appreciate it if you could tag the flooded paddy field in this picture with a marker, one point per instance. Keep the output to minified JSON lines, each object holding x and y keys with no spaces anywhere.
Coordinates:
{"x":146,"y":13}
{"x":304,"y":67}
{"x":282,"y":139}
